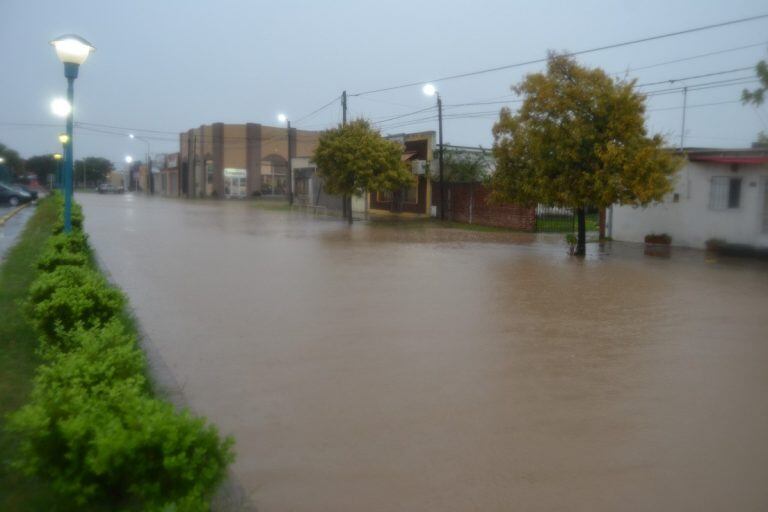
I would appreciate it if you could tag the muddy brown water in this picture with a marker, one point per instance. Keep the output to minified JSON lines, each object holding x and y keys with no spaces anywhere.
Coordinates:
{"x":415,"y":368}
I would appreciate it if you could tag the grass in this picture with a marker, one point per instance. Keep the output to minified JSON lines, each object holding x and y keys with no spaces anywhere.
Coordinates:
{"x":18,"y":361}
{"x":565,"y":224}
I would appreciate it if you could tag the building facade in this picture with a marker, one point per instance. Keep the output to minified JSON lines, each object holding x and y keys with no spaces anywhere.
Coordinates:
{"x":239,"y":160}
{"x":718,"y":195}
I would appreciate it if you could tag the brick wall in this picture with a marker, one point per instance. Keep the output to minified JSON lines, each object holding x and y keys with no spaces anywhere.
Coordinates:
{"x":468,"y":202}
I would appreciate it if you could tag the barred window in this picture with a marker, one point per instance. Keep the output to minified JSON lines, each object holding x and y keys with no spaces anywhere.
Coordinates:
{"x":724,"y":193}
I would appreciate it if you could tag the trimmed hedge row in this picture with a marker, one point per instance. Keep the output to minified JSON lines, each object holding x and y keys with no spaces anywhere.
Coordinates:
{"x":92,"y":427}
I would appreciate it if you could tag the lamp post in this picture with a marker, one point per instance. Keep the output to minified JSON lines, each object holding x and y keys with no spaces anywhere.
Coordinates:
{"x":430,"y":90}
{"x":284,"y":119}
{"x":57,"y":157}
{"x":63,"y":139}
{"x":129,"y":161}
{"x":148,"y":161}
{"x":72,"y":51}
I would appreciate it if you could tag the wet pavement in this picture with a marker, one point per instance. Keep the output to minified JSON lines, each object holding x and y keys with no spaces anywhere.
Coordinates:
{"x":10,"y":231}
{"x":415,"y":368}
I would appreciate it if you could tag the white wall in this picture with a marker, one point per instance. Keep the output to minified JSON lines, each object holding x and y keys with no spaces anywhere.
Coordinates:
{"x":691,"y":222}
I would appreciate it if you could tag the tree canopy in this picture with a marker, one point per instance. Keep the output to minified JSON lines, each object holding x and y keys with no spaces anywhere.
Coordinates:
{"x":465,"y":166}
{"x":757,"y":97}
{"x":42,"y":166}
{"x":578,"y":141}
{"x":13,"y":161}
{"x":355,"y":158}
{"x":96,"y":169}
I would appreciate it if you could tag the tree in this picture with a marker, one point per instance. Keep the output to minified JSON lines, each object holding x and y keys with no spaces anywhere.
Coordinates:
{"x":578,"y":141}
{"x":12,"y":161}
{"x":464,"y":166}
{"x":96,"y":169}
{"x":355,"y":158}
{"x":762,"y":140}
{"x":757,"y":97}
{"x":43,"y":166}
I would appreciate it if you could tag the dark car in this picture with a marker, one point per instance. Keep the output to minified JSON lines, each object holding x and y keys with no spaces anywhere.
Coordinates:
{"x":13,"y":195}
{"x":32,"y":192}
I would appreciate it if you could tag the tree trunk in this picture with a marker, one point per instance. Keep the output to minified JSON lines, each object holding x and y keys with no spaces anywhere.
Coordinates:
{"x":349,"y":209}
{"x":581,"y":242}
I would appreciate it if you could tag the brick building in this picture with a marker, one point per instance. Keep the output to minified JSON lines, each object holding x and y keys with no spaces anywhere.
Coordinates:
{"x":239,"y":160}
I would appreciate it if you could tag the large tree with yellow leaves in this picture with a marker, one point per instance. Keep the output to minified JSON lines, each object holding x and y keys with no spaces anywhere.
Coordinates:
{"x":578,"y":141}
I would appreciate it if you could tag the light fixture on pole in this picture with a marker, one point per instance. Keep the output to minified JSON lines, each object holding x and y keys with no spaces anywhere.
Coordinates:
{"x":148,"y":162}
{"x":57,"y":181}
{"x":63,"y":139}
{"x":284,"y":119}
{"x":72,"y":51}
{"x":430,"y":90}
{"x":60,"y":107}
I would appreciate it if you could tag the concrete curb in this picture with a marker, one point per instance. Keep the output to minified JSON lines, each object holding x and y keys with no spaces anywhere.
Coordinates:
{"x":5,"y":218}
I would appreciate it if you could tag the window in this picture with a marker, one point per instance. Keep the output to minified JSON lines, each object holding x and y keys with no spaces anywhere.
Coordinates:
{"x":725,"y":193}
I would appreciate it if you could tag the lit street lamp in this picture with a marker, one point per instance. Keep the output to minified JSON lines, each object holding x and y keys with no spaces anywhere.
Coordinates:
{"x":284,"y":119}
{"x":64,"y":139}
{"x":148,"y":162}
{"x":430,"y":90}
{"x":72,"y":50}
{"x":57,"y":157}
{"x":129,"y":161}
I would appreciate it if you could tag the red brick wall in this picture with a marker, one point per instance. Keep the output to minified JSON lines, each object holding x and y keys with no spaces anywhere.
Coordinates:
{"x":458,"y":197}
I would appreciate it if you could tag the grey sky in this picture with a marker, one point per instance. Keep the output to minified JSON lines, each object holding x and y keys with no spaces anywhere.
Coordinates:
{"x":175,"y":64}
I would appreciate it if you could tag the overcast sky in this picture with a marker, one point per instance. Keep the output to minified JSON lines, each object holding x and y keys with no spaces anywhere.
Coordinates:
{"x":163,"y":66}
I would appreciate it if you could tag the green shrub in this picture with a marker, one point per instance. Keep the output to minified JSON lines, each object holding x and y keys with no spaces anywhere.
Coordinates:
{"x":69,"y":297}
{"x":77,"y":218}
{"x":114,"y":444}
{"x":64,"y":249}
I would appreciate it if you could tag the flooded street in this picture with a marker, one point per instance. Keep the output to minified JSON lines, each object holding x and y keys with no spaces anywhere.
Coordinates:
{"x":415,"y":368}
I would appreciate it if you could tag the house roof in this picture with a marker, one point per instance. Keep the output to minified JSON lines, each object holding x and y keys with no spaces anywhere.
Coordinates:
{"x":740,"y":156}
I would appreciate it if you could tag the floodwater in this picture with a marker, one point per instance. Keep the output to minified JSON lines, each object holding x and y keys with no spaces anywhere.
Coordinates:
{"x":414,"y":368}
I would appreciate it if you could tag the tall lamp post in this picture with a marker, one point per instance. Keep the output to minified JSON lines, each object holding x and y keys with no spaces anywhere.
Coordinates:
{"x":64,"y":140}
{"x":56,"y":182}
{"x":72,"y":50}
{"x":129,"y":161}
{"x":148,"y":161}
{"x":430,"y":90}
{"x":284,"y":119}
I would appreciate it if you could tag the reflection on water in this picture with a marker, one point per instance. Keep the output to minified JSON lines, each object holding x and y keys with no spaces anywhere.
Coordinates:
{"x":411,"y":367}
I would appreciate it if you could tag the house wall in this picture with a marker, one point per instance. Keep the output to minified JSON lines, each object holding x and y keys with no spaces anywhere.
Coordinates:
{"x":690,"y":221}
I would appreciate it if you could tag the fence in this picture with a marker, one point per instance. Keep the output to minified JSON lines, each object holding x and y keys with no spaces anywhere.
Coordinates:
{"x":555,"y":219}
{"x":468,"y":203}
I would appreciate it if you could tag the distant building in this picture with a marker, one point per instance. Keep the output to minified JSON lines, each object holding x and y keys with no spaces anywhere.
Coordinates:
{"x":165,"y":170}
{"x":718,"y":194}
{"x":239,"y":160}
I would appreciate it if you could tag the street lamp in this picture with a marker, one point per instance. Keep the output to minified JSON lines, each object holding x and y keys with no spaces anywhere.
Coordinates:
{"x":63,"y":139}
{"x":430,"y":90}
{"x":129,"y":161}
{"x":57,"y":157}
{"x":149,"y":162}
{"x":60,"y":107}
{"x":284,"y":119}
{"x":72,"y":51}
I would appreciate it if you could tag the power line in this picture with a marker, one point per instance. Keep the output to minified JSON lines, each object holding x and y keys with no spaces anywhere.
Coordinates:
{"x":318,"y":110}
{"x":717,"y":73}
{"x":580,"y":52}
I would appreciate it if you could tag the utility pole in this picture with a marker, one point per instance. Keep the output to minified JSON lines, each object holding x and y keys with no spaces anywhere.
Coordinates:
{"x":440,"y":154}
{"x":685,"y":106}
{"x":344,"y":204}
{"x":290,"y":165}
{"x":344,"y":108}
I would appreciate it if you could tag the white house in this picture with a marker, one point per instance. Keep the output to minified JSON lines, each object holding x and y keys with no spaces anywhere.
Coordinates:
{"x":718,"y":194}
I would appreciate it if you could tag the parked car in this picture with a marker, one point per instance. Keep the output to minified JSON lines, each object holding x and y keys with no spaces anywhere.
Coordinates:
{"x":13,"y":195}
{"x":32,"y":192}
{"x":108,"y":188}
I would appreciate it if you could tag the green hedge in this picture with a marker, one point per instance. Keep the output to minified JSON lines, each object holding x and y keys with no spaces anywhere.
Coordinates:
{"x":92,"y":428}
